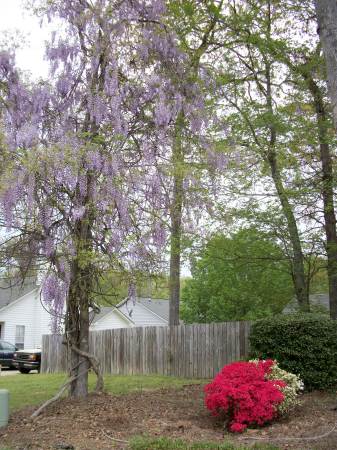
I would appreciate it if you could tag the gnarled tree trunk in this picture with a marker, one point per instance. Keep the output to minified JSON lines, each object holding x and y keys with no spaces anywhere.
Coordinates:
{"x":77,"y":324}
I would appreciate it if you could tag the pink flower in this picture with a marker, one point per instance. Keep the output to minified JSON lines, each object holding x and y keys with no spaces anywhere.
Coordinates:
{"x":243,"y":392}
{"x":237,"y":427}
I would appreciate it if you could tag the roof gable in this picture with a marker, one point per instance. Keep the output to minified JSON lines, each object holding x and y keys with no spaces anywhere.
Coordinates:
{"x":145,"y":311}
{"x":155,"y":310}
{"x":105,"y":310}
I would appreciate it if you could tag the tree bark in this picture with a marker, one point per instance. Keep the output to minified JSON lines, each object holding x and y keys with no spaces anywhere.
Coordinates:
{"x":297,"y":263}
{"x":78,"y":329}
{"x":176,"y":221}
{"x":327,"y":192}
{"x":298,"y":272}
{"x":326,"y":11}
{"x":327,"y":28}
{"x":81,"y":284}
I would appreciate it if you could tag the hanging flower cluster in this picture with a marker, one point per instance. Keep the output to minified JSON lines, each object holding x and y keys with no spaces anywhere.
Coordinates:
{"x":90,"y":148}
{"x":243,"y":391}
{"x":86,"y":140}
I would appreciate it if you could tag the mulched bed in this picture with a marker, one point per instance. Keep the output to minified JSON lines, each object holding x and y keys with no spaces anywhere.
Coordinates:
{"x":173,"y":413}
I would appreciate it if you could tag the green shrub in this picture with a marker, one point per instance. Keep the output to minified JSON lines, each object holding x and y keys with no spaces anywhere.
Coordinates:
{"x":304,"y":344}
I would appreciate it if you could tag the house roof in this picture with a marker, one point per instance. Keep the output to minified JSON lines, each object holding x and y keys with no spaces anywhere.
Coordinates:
{"x":105,"y":310}
{"x":321,"y":300}
{"x":159,"y":307}
{"x":11,"y":290}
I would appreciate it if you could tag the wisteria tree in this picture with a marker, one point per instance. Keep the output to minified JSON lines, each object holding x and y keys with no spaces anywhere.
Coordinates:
{"x":81,"y":174}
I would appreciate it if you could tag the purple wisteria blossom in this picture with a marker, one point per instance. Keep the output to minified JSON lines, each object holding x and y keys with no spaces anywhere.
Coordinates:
{"x":92,"y":146}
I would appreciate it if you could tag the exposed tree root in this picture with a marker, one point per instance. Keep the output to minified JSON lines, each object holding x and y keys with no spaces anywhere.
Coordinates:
{"x":94,"y":363}
{"x":55,"y":398}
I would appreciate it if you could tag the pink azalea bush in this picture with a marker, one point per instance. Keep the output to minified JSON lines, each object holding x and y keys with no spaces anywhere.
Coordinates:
{"x":243,"y":391}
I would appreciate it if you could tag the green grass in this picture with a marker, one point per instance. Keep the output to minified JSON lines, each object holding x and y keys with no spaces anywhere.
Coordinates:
{"x":163,"y":443}
{"x":141,"y":443}
{"x":33,"y":389}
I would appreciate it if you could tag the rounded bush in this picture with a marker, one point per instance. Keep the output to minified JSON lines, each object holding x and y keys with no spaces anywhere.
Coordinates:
{"x":304,"y":344}
{"x":243,"y":392}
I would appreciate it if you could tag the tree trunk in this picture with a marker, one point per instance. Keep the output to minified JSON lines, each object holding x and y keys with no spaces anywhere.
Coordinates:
{"x":176,"y":222}
{"x":297,"y":263}
{"x":327,"y":28}
{"x":326,"y":11}
{"x":78,"y":329}
{"x":81,"y":284}
{"x":327,"y":192}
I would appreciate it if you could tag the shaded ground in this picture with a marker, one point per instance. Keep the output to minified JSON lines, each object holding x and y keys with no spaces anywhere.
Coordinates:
{"x":104,"y":419}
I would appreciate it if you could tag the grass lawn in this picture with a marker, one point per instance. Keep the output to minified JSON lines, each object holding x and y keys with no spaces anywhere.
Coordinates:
{"x":140,"y":443}
{"x":33,"y":389}
{"x":168,"y":444}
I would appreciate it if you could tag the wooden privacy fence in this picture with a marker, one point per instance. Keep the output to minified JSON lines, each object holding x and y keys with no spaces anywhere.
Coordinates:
{"x":198,"y":350}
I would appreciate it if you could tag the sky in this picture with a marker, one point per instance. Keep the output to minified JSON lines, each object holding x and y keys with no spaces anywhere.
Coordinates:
{"x":16,"y":17}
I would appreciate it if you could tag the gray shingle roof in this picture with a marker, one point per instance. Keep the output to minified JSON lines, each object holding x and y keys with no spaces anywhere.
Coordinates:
{"x":11,"y":290}
{"x":160,"y":307}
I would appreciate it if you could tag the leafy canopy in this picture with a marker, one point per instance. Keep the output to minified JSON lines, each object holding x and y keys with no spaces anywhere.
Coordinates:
{"x":243,"y":276}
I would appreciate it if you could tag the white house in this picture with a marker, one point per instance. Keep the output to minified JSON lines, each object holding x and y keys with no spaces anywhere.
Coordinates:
{"x":23,"y":319}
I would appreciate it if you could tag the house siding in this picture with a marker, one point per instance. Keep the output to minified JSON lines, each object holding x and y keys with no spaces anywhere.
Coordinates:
{"x":27,"y":311}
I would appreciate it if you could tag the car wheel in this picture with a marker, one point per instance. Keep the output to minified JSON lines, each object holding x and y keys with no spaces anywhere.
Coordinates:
{"x":24,"y":370}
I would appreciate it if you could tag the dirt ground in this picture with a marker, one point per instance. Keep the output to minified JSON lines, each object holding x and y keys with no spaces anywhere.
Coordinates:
{"x":166,"y":412}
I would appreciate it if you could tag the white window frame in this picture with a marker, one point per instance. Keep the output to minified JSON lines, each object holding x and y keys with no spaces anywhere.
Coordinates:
{"x":20,"y":336}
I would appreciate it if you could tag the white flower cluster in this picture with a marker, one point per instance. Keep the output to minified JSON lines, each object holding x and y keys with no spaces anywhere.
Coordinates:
{"x":294,"y":385}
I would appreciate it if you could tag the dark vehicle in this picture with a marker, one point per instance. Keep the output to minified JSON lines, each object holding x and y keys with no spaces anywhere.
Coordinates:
{"x":7,"y":351}
{"x":27,"y":360}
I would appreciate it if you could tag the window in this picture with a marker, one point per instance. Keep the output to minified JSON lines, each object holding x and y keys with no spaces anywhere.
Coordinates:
{"x":20,"y":336}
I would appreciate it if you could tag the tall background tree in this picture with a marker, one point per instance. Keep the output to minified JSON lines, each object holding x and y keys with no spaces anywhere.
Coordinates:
{"x":327,"y":16}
